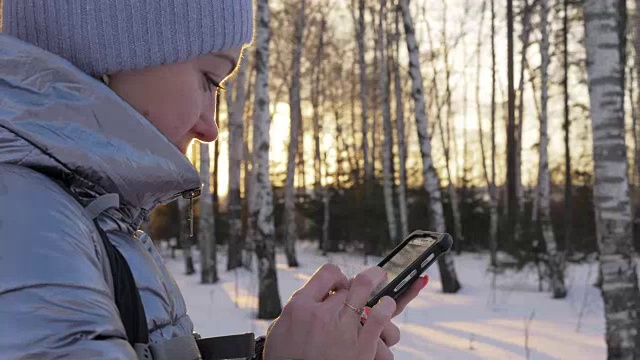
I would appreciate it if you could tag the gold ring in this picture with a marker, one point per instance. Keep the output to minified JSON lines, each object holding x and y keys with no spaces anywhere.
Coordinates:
{"x":357,"y":310}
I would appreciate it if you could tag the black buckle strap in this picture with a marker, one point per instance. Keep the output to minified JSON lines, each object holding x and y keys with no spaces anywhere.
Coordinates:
{"x":228,"y":347}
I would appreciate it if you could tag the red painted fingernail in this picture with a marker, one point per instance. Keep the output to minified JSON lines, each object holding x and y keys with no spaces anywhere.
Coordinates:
{"x":365,"y":315}
{"x":425,"y":281}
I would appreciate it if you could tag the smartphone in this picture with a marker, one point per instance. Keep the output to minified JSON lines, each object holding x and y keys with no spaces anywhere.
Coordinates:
{"x":408,"y":261}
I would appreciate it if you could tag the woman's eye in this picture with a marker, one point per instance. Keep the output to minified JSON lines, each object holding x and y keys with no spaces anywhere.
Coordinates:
{"x":211,"y":83}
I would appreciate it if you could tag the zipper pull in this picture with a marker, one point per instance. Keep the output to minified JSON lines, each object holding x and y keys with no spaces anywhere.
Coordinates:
{"x":190,"y":195}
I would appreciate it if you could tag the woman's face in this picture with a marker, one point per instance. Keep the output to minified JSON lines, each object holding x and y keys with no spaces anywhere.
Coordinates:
{"x":179,"y":99}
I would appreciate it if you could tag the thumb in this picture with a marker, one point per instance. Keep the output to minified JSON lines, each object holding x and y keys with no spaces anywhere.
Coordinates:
{"x":379,"y":317}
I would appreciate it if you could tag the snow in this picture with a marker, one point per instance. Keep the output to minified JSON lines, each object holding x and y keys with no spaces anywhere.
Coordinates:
{"x":480,"y":322}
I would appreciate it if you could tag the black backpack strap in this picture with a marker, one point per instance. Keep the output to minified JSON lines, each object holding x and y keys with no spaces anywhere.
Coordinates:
{"x":127,"y":297}
{"x":132,"y":314}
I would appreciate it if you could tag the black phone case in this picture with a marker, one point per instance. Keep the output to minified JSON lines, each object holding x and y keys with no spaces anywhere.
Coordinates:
{"x":442,"y":245}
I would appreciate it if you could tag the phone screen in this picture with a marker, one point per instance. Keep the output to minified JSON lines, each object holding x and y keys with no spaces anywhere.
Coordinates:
{"x":400,"y":261}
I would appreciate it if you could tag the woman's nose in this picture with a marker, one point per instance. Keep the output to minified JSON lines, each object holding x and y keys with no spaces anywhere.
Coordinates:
{"x":206,"y":129}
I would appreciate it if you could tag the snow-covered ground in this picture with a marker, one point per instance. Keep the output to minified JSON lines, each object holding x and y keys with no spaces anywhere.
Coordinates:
{"x":476,"y":323}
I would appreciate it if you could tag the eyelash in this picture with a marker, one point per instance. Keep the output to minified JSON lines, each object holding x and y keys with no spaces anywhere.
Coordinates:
{"x":211,"y":82}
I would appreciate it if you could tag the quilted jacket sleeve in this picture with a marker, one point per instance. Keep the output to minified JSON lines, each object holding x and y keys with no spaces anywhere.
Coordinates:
{"x":55,"y":301}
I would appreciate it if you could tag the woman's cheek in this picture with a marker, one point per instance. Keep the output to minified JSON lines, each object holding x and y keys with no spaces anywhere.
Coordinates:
{"x":187,"y":117}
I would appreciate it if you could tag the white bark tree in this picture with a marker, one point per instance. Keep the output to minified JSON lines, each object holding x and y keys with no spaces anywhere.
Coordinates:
{"x":400,"y":131}
{"x":636,"y":101}
{"x":360,"y":36}
{"x":247,"y":165}
{"x":493,"y":191}
{"x":235,"y":108}
{"x":556,"y":258}
{"x":374,"y":100}
{"x":448,"y":146}
{"x":296,"y":120}
{"x":326,"y":210}
{"x":525,"y":36}
{"x":636,"y":142}
{"x":489,"y":177}
{"x":206,"y":221}
{"x":316,"y":101}
{"x":450,"y":283}
{"x":605,"y":69}
{"x":568,"y":183}
{"x":261,"y":221}
{"x":184,"y":239}
{"x":316,"y":88}
{"x":383,"y":81}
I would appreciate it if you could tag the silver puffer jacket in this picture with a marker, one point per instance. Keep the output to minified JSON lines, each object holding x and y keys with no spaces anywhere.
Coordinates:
{"x":65,"y":141}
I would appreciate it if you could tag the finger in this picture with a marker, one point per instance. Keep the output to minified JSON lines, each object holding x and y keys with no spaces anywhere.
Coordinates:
{"x":403,"y":300}
{"x":328,"y":277}
{"x":379,"y":317}
{"x":390,"y":334}
{"x":361,"y":288}
{"x":336,"y":300}
{"x":383,"y":352}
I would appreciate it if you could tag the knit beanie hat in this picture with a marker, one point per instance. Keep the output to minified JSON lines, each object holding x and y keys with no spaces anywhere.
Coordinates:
{"x":108,"y":36}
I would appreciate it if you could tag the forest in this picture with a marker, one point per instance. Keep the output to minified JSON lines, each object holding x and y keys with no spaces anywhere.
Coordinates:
{"x":353,"y":123}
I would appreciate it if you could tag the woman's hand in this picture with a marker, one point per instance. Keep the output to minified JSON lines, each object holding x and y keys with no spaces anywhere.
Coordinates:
{"x":317,"y":325}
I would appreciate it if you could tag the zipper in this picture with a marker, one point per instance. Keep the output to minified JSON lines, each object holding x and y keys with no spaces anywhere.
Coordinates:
{"x":190,"y":195}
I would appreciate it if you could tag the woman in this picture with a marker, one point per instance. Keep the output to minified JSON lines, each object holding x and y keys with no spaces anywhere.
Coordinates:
{"x":99,"y":100}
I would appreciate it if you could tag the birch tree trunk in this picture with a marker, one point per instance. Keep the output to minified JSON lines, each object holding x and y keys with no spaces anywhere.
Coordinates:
{"x":635,"y":180}
{"x":375,"y":100}
{"x":300,"y":164}
{"x":316,"y":103}
{"x":249,"y":246}
{"x":352,"y":148}
{"x":556,"y":258}
{"x":360,"y":35}
{"x":184,"y":239}
{"x":326,"y":216}
{"x":634,"y":132}
{"x":208,"y":268}
{"x":214,"y":180}
{"x":535,"y":206}
{"x":524,"y":37}
{"x":400,"y":135}
{"x":315,"y":100}
{"x":453,"y":194}
{"x":568,"y":186}
{"x":296,"y":120}
{"x":512,"y":205}
{"x":236,"y":155}
{"x":431,"y":183}
{"x":488,"y":177}
{"x":388,"y":132}
{"x":493,"y":191}
{"x":603,"y":28}
{"x":463,"y":176}
{"x":636,"y":99}
{"x":261,"y":204}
